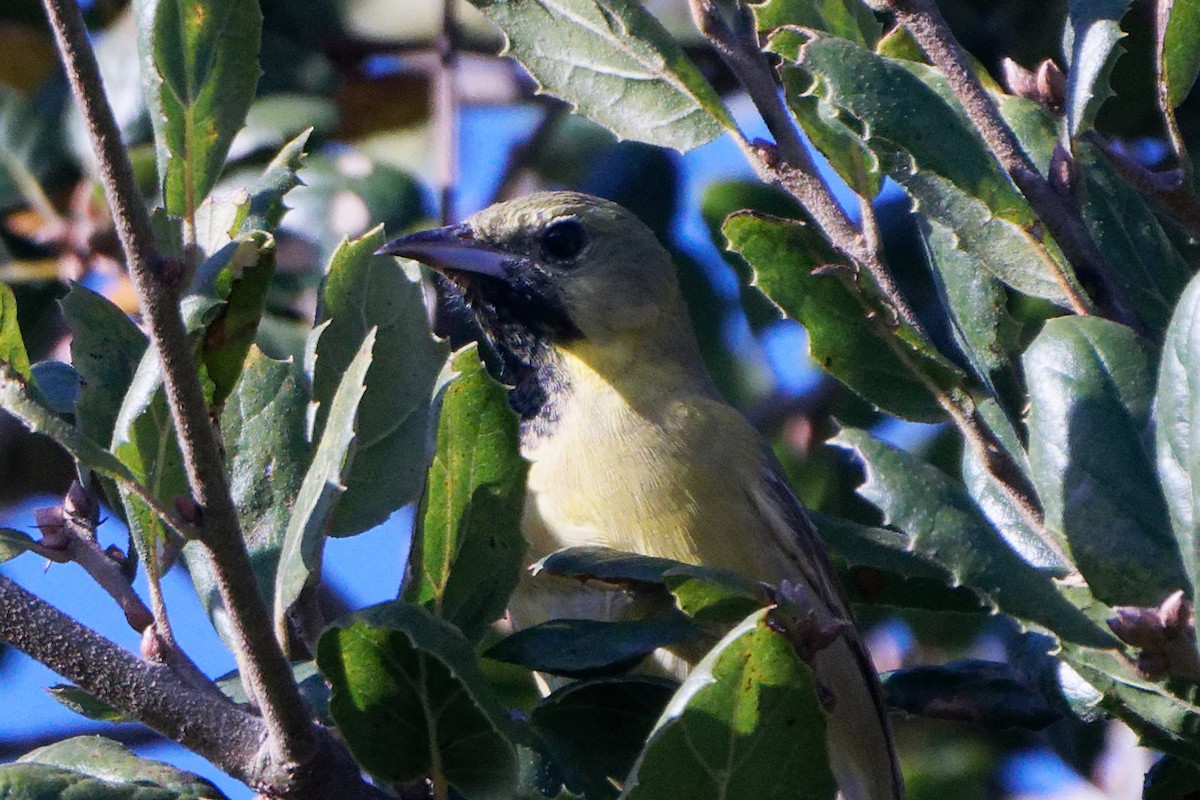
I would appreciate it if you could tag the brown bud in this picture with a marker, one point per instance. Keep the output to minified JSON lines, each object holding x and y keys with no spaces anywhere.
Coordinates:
{"x":1051,"y":85}
{"x":52,"y":526}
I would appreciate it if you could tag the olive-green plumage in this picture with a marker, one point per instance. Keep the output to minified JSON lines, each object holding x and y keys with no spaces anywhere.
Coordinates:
{"x":629,"y":443}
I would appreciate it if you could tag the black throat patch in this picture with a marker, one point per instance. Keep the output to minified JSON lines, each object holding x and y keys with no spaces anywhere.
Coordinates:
{"x":522,"y":319}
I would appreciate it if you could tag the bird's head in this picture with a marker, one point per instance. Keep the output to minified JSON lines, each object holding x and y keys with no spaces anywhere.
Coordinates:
{"x":553,"y":267}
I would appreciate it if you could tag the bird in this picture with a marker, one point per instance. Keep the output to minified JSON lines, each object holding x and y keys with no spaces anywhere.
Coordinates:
{"x":629,"y":442}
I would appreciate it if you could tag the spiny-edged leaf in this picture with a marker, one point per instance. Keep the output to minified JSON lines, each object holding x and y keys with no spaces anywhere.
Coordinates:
{"x":997,"y":504}
{"x":467,"y":554}
{"x":86,"y":704}
{"x":30,"y":150}
{"x":106,"y":348}
{"x":266,"y":194}
{"x":975,"y":300}
{"x":1090,"y":46}
{"x":17,"y":399}
{"x":13,"y":543}
{"x":323,"y":484}
{"x":200,"y":69}
{"x":848,"y":19}
{"x":267,"y":453}
{"x":242,"y":282}
{"x":617,"y":65}
{"x":1166,"y":720}
{"x":841,"y":339}
{"x":593,"y":730}
{"x":1091,"y":383}
{"x":750,"y":705}
{"x":1177,"y":426}
{"x":92,"y":766}
{"x":988,"y":693}
{"x":365,"y":291}
{"x":1145,"y":264}
{"x":926,"y":145}
{"x":941,"y":522}
{"x":1178,"y":49}
{"x":410,"y":701}
{"x":884,"y":571}
{"x":12,"y":346}
{"x":580,"y":648}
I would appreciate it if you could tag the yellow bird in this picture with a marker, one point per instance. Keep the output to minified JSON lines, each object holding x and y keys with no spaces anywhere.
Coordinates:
{"x":629,"y":443}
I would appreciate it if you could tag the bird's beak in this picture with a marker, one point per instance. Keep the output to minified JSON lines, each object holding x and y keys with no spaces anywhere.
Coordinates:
{"x":453,"y":248}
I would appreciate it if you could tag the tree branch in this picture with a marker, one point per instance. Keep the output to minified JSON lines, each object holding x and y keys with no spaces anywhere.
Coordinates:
{"x":1062,"y":219}
{"x":155,"y":280}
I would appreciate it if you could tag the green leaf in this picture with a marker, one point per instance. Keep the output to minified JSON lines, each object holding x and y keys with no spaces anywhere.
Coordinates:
{"x":106,"y":348}
{"x":58,"y":384}
{"x":1171,"y":779}
{"x":1090,"y":45}
{"x":86,"y":704}
{"x":1177,"y":426}
{"x":747,"y":722}
{"x":200,"y":69}
{"x":308,"y":680}
{"x":13,"y":543}
{"x":323,"y":484}
{"x":267,"y":453}
{"x":605,"y":564}
{"x":95,"y":767}
{"x":847,"y":19}
{"x":364,"y":291}
{"x":17,"y":399}
{"x":884,"y":571}
{"x":988,"y":693}
{"x":593,"y":730}
{"x":1178,"y":50}
{"x":942,"y":523}
{"x":1145,"y":264}
{"x":410,"y":701}
{"x":12,"y":346}
{"x":467,"y":554}
{"x":1091,"y":383}
{"x":580,"y":648}
{"x":616,"y":64}
{"x":927,"y":145}
{"x":266,"y":194}
{"x":975,"y":300}
{"x":30,"y":151}
{"x":841,"y":339}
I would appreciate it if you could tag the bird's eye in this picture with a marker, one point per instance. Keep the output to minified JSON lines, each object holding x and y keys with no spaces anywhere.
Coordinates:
{"x":564,"y":239}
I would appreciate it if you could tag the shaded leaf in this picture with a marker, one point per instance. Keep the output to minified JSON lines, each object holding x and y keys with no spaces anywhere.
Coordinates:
{"x":989,"y":693}
{"x":308,"y":680}
{"x":92,"y":766}
{"x":13,"y":543}
{"x":1090,"y":46}
{"x":364,"y":291}
{"x":616,"y":64}
{"x":841,"y":340}
{"x":467,"y":554}
{"x":751,"y":705}
{"x":30,"y":151}
{"x":1178,"y":50}
{"x":942,"y":522}
{"x":593,"y":730}
{"x":1091,"y":383}
{"x":1171,"y":779}
{"x":1145,"y":263}
{"x":58,"y":384}
{"x":200,"y":69}
{"x":410,"y":700}
{"x":323,"y":484}
{"x":579,"y":648}
{"x":266,"y":453}
{"x":1177,"y":426}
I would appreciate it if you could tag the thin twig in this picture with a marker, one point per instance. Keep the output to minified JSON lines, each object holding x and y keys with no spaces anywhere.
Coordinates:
{"x":924,"y":21}
{"x":267,"y":673}
{"x":445,"y":109}
{"x":788,"y":162}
